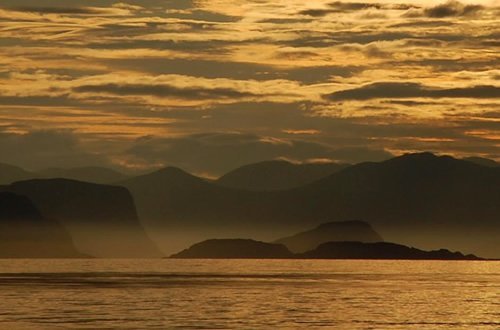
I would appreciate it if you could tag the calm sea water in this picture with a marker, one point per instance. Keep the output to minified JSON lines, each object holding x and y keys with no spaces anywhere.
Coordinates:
{"x":248,"y":294}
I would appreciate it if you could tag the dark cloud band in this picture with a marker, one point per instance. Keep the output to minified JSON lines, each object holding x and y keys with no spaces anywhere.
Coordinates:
{"x":395,"y":90}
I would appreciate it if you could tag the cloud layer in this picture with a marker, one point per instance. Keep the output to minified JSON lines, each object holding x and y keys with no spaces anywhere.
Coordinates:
{"x":128,"y":82}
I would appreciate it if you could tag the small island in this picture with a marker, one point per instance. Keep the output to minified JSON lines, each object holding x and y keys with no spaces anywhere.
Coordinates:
{"x":234,"y":249}
{"x":380,"y":250}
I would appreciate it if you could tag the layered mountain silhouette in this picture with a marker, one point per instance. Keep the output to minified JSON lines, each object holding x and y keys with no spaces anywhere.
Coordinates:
{"x":88,"y":174}
{"x":380,"y":250}
{"x":25,"y":233}
{"x":10,"y":174}
{"x":417,"y":199}
{"x":235,"y":248}
{"x":277,"y":175}
{"x":101,"y":219}
{"x":358,"y":231}
{"x":250,"y":249}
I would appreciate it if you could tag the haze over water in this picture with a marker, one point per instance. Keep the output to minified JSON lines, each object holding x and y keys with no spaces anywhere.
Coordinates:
{"x":355,"y":294}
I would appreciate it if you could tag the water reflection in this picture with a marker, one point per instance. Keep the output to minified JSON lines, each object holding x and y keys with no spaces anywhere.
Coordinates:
{"x":120,"y":294}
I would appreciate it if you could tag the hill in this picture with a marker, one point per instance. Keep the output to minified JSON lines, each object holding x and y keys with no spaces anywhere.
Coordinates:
{"x":25,"y":233}
{"x":101,"y":219}
{"x":234,"y":248}
{"x":88,"y":174}
{"x":277,"y":175}
{"x":328,"y":232}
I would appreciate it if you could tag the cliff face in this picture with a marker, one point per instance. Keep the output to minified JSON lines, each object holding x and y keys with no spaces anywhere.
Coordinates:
{"x":234,"y":248}
{"x":101,"y":219}
{"x":328,"y":232}
{"x":25,"y":233}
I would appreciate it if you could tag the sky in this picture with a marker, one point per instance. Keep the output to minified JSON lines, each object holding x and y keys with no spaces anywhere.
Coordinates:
{"x":211,"y":85}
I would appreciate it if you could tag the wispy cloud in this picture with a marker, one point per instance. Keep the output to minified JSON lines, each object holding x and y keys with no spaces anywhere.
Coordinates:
{"x":354,"y":73}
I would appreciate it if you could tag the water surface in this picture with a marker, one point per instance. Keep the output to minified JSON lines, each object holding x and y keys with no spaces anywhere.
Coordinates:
{"x":249,"y":294}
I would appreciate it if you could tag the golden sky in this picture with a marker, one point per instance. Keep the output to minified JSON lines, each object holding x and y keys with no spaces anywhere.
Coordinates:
{"x":213,"y":84}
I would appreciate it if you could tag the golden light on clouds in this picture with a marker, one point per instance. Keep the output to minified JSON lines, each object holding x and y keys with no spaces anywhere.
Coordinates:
{"x":323,"y":73}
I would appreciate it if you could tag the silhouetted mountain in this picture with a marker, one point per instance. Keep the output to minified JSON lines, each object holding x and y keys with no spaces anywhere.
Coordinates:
{"x":417,"y":199}
{"x":358,"y":231}
{"x":277,"y":175}
{"x":381,"y":250}
{"x":101,"y":219}
{"x":234,"y":249}
{"x":9,"y":174}
{"x":24,"y":233}
{"x":483,"y":161}
{"x":87,"y":174}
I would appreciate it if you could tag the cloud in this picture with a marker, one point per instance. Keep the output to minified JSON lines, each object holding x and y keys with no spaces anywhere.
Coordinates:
{"x":452,"y":8}
{"x":42,"y":149}
{"x":359,"y":154}
{"x":57,"y":10}
{"x":218,"y":153}
{"x":342,"y":7}
{"x":235,"y":70}
{"x":119,"y":9}
{"x":412,"y":90}
{"x":190,"y":93}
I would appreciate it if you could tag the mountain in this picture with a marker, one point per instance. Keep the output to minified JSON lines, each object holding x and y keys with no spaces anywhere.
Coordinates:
{"x":483,"y":161}
{"x":416,"y":199}
{"x":101,"y":219}
{"x":419,"y":199}
{"x":179,"y":209}
{"x":10,"y":173}
{"x":25,"y":233}
{"x":277,"y":175}
{"x":381,"y":250}
{"x":328,"y":232}
{"x":88,"y":174}
{"x":234,"y":249}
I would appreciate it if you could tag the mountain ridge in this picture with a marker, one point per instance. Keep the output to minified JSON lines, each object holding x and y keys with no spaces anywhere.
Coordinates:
{"x":414,"y":198}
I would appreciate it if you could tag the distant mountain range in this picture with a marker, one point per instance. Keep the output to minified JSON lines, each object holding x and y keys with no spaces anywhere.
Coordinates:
{"x":416,"y":199}
{"x":89,"y":174}
{"x":10,"y":174}
{"x":277,"y":175}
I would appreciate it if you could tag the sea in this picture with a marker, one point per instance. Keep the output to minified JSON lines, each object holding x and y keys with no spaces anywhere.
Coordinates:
{"x":248,"y":294}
